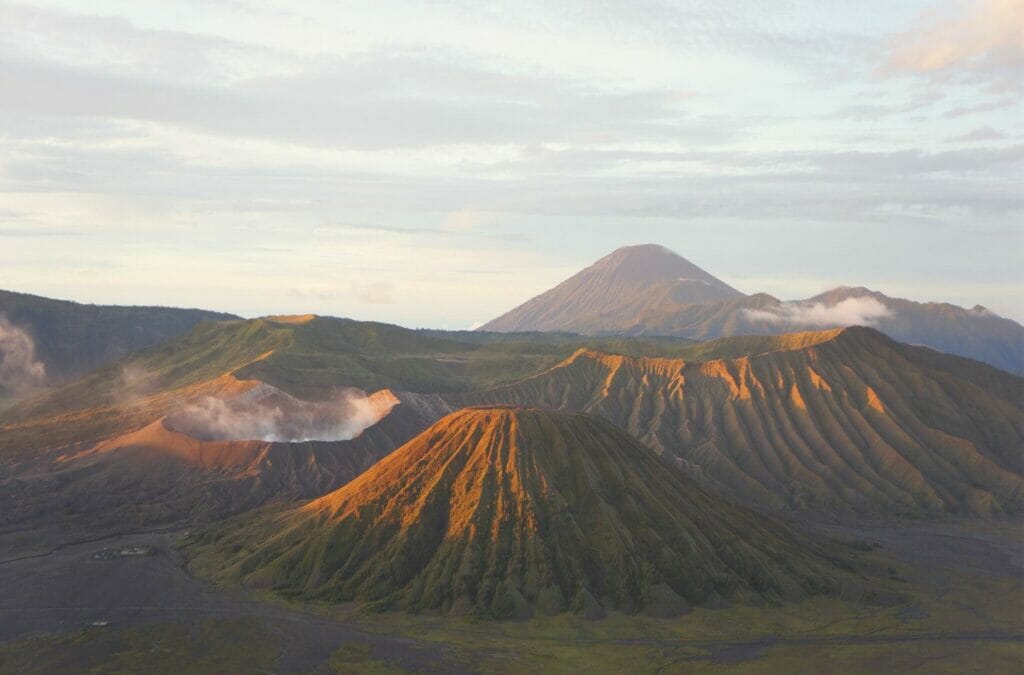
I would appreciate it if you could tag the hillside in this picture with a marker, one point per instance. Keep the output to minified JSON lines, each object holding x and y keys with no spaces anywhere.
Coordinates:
{"x":503,"y":512}
{"x":846,"y":421}
{"x":71,"y":338}
{"x":623,"y":284}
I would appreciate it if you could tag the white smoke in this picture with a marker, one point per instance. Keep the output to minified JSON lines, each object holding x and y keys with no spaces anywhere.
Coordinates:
{"x":269,"y":414}
{"x":860,"y":311}
{"x":19,"y":368}
{"x":133,"y":383}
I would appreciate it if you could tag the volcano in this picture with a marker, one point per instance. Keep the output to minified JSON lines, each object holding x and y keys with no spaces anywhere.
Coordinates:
{"x":503,"y":512}
{"x":617,"y":289}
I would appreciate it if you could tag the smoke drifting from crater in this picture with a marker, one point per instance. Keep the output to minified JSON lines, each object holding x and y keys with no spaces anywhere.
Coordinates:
{"x":862,"y":311}
{"x":268,"y":414}
{"x":19,"y":368}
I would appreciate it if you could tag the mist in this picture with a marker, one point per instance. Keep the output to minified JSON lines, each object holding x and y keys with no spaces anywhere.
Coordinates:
{"x":20,"y":370}
{"x":861,"y":311}
{"x":269,"y":414}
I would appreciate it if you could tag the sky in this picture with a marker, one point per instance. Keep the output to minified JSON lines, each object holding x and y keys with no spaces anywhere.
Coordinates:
{"x":435,"y":164}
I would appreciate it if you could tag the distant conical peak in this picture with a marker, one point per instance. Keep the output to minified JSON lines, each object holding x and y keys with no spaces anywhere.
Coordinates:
{"x":620,"y":285}
{"x":651,"y":262}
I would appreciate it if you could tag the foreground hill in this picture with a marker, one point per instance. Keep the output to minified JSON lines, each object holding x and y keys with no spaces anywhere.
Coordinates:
{"x":71,"y":338}
{"x":502,"y":512}
{"x":635,"y":291}
{"x":844,"y":421}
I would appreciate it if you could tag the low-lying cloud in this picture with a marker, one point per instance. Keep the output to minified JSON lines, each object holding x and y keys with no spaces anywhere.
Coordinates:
{"x":269,"y":414}
{"x":860,"y":311}
{"x":19,"y":368}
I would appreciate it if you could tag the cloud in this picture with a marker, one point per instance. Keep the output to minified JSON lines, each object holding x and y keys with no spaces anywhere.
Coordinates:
{"x":268,"y":414}
{"x":859,"y":311}
{"x":984,"y":39}
{"x":375,"y":292}
{"x":452,"y":103}
{"x":467,"y":220}
{"x":19,"y":368}
{"x":985,"y":133}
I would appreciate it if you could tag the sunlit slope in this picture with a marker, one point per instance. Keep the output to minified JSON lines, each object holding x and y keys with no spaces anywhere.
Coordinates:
{"x":845,"y":420}
{"x":503,"y":512}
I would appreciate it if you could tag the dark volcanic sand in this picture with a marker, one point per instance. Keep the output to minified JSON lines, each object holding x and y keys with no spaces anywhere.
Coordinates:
{"x":67,"y":589}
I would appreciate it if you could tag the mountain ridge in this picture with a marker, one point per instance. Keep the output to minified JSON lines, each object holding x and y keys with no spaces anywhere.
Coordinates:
{"x":850,"y":422}
{"x":649,"y":311}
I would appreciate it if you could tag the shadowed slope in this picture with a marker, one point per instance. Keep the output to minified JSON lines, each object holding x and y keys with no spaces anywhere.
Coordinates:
{"x":617,"y":287}
{"x":72,"y":338}
{"x":844,"y":420}
{"x":502,"y":511}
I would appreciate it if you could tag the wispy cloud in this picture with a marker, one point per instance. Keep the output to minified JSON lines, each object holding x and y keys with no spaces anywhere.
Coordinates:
{"x":861,"y":311}
{"x":985,"y":133}
{"x":982,"y":39}
{"x":375,"y":292}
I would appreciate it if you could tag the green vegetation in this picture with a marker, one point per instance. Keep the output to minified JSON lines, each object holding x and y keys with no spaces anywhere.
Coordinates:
{"x":356,"y":658}
{"x":213,"y":646}
{"x":818,"y":634}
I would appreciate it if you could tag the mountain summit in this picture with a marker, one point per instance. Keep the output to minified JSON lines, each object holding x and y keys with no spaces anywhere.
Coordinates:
{"x":626,"y":282}
{"x":505,"y":511}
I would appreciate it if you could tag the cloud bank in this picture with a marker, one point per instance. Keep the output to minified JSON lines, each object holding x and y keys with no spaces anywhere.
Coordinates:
{"x":861,"y":311}
{"x":268,"y":414}
{"x":19,"y":368}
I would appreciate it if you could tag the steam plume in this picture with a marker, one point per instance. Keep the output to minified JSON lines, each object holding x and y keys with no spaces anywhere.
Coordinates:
{"x":861,"y":311}
{"x":19,"y":368}
{"x":268,"y":414}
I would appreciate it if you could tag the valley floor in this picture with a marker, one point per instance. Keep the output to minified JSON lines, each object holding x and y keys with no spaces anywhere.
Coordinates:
{"x":125,"y":603}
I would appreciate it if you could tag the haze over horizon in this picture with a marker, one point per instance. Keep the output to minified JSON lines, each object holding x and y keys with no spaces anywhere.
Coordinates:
{"x":436,"y":169}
